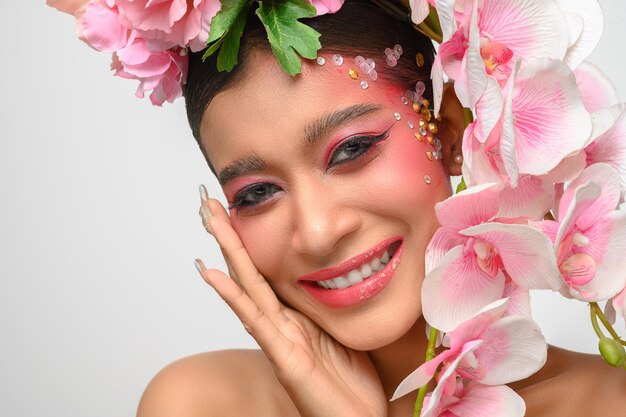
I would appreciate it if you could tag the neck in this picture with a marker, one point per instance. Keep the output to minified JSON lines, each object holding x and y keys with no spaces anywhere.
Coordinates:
{"x":396,"y":361}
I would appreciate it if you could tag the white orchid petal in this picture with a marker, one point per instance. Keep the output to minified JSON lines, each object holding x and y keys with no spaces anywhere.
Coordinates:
{"x":526,"y":253}
{"x":445,"y":11}
{"x":419,"y":10}
{"x":513,"y":349}
{"x":489,"y":109}
{"x":592,"y":28}
{"x":533,"y":197}
{"x":454,"y":291}
{"x":470,"y":207}
{"x":530,"y":28}
{"x":488,"y":401}
{"x":596,"y":90}
{"x":547,"y":108}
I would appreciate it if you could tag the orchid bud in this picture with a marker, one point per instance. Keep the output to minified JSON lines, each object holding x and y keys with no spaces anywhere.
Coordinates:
{"x":612,"y":351}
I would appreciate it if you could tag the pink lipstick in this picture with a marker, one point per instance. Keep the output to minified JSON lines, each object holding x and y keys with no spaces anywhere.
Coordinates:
{"x":338,"y":287}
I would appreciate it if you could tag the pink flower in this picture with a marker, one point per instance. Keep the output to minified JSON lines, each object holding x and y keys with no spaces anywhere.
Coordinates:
{"x":476,"y":400}
{"x":67,"y":6}
{"x":98,"y":25}
{"x":471,"y":256}
{"x":419,"y":10}
{"x":483,"y":38}
{"x":521,"y":351}
{"x":163,"y":73}
{"x":590,"y":236}
{"x":616,"y":305}
{"x":169,"y":23}
{"x":326,"y":6}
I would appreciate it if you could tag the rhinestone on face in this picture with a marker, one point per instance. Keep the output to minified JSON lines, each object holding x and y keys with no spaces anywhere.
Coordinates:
{"x":410,"y":124}
{"x":427,"y":179}
{"x":416,"y":108}
{"x":419,"y":60}
{"x":405,"y":100}
{"x":419,"y":137}
{"x":430,"y":140}
{"x":438,"y":144}
{"x":425,"y":102}
{"x":370,"y":62}
{"x":397,"y":116}
{"x":426,"y":115}
{"x":321,"y":60}
{"x":433,"y":128}
{"x":373,"y":75}
{"x":398,"y":49}
{"x":391,"y":61}
{"x":364,"y":85}
{"x":337,"y":59}
{"x":423,"y":131}
{"x":359,"y":60}
{"x":429,"y":155}
{"x":354,"y":74}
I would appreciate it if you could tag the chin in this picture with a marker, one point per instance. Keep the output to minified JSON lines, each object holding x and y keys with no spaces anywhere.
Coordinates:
{"x":379,"y":327}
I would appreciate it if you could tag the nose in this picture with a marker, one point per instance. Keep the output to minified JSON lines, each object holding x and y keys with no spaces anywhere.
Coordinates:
{"x":321,"y":219}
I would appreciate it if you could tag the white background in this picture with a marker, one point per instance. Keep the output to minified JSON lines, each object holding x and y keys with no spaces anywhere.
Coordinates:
{"x":99,"y":227}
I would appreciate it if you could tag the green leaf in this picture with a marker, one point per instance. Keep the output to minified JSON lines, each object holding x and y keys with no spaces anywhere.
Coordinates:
{"x":462,"y":186}
{"x":227,"y":59}
{"x":225,"y":18}
{"x":211,"y":49}
{"x":288,"y":37}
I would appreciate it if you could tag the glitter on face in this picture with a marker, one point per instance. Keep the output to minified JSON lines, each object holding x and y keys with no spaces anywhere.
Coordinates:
{"x":354,"y":74}
{"x":364,"y":85}
{"x":320,"y":60}
{"x":410,"y":124}
{"x":427,"y":179}
{"x":397,"y":116}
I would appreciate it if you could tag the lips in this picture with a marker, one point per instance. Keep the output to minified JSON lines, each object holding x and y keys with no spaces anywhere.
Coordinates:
{"x":364,"y":290}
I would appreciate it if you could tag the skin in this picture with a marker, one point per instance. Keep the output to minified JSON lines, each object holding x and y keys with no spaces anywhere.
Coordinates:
{"x":316,"y":360}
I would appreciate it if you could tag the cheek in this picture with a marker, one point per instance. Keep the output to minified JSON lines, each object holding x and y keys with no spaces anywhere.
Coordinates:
{"x":405,"y":180}
{"x":264,"y":238}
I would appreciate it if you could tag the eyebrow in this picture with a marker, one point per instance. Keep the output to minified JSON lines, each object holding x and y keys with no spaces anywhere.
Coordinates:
{"x":313,"y":132}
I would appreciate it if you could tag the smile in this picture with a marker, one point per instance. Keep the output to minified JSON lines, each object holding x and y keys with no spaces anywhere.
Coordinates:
{"x":357,"y":279}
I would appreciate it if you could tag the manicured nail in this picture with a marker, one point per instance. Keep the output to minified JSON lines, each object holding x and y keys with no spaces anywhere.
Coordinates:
{"x":204,"y":195}
{"x":206,"y":214}
{"x":199,"y":265}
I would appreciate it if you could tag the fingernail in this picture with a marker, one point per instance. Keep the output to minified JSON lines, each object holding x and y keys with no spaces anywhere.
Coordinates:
{"x":199,"y":265}
{"x":204,"y":195}
{"x":206,"y":214}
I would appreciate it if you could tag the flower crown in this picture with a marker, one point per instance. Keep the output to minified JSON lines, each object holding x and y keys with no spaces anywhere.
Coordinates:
{"x":544,"y":168}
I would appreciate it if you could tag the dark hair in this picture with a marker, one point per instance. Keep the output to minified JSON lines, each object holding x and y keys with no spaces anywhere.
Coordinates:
{"x":358,"y":28}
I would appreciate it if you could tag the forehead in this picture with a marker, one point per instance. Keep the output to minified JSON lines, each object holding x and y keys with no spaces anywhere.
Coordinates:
{"x":267,"y":107}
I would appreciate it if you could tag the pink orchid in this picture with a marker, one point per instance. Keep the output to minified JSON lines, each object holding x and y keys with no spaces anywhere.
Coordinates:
{"x":616,"y":305}
{"x":169,"y":23}
{"x":326,"y":6}
{"x":482,"y":37}
{"x":518,"y":134}
{"x":477,"y":400}
{"x":585,"y":23}
{"x":521,"y":351}
{"x":470,"y":257}
{"x":420,"y":10}
{"x":596,"y":90}
{"x":67,"y":6}
{"x":590,"y":236}
{"x":163,"y":73}
{"x":610,"y":147}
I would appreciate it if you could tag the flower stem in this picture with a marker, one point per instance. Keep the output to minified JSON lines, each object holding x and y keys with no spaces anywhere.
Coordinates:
{"x":468,"y":116}
{"x":596,"y":313}
{"x":428,"y":31}
{"x":430,"y":353}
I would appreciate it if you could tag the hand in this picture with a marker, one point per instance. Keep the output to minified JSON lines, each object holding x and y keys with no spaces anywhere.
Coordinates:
{"x":322,"y":377}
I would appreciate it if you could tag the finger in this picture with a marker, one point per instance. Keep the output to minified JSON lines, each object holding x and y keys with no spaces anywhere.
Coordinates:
{"x":254,"y":320}
{"x":249,"y":277}
{"x":208,"y":207}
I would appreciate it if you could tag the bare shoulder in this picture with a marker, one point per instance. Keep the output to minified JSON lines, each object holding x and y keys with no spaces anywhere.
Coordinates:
{"x":574,"y":384}
{"x":221,"y":383}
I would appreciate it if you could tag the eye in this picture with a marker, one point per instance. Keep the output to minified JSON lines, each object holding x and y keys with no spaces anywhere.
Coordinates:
{"x":355,"y":147}
{"x":254,"y":195}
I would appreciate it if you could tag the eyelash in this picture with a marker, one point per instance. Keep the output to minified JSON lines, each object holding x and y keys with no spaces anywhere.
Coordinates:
{"x":364,"y":144}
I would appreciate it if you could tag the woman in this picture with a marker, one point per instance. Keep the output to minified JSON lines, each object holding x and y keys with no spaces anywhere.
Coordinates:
{"x":326,"y":176}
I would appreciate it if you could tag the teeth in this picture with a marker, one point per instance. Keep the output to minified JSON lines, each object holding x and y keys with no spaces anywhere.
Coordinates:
{"x":357,"y":275}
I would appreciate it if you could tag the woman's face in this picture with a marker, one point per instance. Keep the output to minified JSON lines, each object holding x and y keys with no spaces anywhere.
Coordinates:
{"x":319,"y":171}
